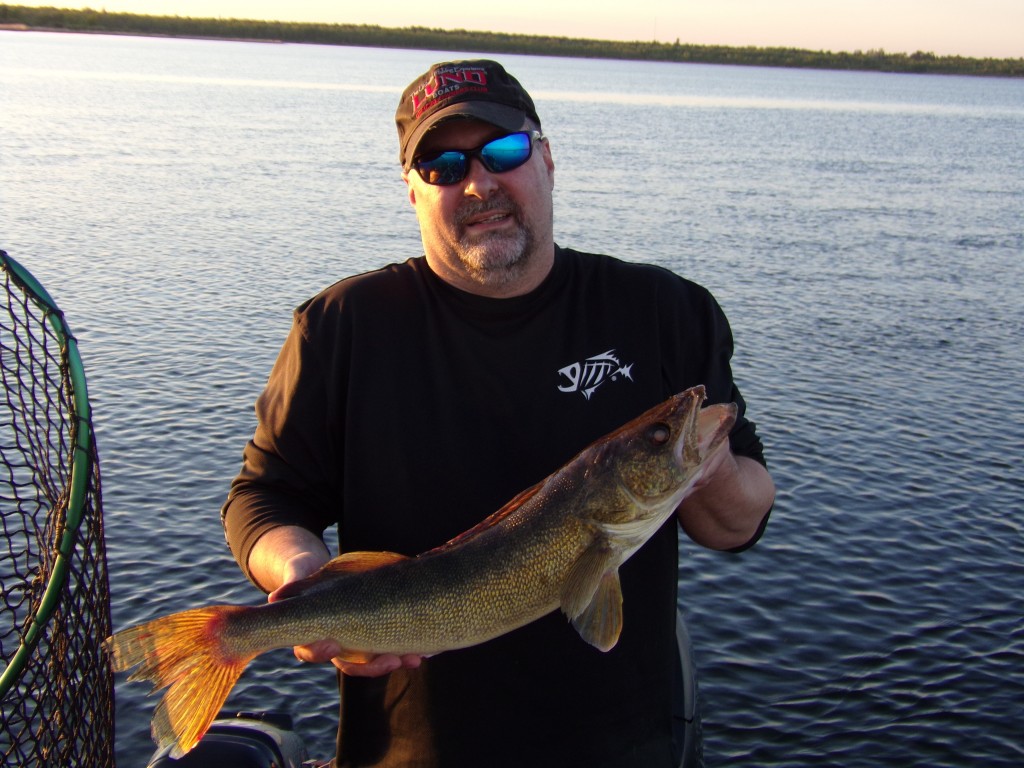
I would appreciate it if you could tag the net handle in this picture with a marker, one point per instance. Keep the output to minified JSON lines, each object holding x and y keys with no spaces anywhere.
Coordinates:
{"x":81,"y":467}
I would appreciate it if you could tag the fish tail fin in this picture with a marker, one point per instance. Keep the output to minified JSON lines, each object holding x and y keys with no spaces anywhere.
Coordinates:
{"x":188,"y":652}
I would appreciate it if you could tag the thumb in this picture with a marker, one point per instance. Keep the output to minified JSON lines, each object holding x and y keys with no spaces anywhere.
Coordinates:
{"x":295,"y":570}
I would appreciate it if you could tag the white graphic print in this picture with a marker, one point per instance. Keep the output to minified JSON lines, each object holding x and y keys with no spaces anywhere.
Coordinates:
{"x":587,"y":376}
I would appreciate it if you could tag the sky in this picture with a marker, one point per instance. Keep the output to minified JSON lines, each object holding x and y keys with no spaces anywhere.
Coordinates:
{"x":976,"y":28}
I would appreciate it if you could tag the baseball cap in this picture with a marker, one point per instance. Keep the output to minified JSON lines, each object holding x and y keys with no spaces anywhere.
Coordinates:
{"x":478,"y":88}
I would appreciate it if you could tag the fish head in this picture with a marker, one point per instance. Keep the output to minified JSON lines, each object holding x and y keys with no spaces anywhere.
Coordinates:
{"x":657,"y":457}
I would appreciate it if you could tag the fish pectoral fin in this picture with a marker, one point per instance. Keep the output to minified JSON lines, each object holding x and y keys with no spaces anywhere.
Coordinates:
{"x":584,"y":578}
{"x":592,"y":595}
{"x":601,"y":621}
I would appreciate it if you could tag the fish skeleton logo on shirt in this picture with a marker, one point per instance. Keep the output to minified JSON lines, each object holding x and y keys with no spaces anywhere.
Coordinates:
{"x":587,"y":376}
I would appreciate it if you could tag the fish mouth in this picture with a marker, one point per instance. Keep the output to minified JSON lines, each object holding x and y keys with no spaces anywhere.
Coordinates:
{"x":713,"y":425}
{"x":703,"y":430}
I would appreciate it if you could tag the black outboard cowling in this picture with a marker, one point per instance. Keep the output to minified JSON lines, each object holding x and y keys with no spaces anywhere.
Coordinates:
{"x":247,"y":740}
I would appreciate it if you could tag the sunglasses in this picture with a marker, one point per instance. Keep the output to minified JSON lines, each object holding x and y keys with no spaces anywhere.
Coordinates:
{"x":497,"y":156}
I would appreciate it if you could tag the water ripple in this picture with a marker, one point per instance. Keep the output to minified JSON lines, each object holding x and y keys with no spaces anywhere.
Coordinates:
{"x":868,"y":258}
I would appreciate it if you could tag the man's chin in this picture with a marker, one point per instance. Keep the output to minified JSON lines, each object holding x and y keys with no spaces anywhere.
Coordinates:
{"x":495,"y":255}
{"x":496,"y":274}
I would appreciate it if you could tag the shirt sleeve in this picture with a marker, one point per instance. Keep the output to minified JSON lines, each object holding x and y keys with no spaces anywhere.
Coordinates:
{"x":699,"y":348}
{"x":289,"y":468}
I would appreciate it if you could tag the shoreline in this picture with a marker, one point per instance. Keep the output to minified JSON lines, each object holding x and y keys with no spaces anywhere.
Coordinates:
{"x":87,"y":21}
{"x":164,"y":35}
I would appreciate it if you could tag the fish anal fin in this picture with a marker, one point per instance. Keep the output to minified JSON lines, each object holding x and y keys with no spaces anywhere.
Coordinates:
{"x":584,"y":577}
{"x":356,"y":657}
{"x":601,"y":621}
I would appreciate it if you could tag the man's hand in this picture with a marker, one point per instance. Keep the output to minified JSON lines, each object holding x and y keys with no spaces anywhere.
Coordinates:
{"x":729,"y":502}
{"x":305,"y":563}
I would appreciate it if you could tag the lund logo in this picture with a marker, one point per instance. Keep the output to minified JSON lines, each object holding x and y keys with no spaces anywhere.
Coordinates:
{"x":446,"y":83}
{"x":587,"y":376}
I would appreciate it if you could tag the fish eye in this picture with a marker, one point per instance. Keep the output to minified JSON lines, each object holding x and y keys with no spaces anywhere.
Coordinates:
{"x":659,"y":433}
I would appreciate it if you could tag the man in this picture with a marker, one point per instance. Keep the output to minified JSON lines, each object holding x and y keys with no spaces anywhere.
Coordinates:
{"x":410,"y":402}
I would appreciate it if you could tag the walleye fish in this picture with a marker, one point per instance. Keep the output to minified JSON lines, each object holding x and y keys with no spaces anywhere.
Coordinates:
{"x":558,"y":544}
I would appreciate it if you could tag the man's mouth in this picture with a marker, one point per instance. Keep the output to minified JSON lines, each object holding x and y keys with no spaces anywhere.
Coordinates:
{"x":485,"y":219}
{"x":483,"y":215}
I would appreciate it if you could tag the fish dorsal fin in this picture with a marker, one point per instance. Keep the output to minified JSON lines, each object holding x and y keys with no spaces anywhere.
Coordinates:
{"x":493,"y":519}
{"x":356,"y":562}
{"x":350,"y":562}
{"x":584,"y":577}
{"x":601,"y":621}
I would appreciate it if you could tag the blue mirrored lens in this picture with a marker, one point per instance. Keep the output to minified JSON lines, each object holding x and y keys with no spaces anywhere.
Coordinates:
{"x":500,"y":155}
{"x":445,"y":168}
{"x":506,"y":153}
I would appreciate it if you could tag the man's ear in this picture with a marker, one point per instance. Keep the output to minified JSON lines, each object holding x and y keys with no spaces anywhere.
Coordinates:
{"x":549,"y":162}
{"x":409,"y":189}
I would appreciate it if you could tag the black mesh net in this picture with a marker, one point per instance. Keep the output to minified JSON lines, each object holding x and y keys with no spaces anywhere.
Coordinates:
{"x":56,"y":689}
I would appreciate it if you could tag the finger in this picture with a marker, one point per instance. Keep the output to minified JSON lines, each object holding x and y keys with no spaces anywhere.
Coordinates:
{"x":411,"y":661}
{"x":319,"y":652}
{"x":718,"y":461}
{"x":290,"y":589}
{"x":302,"y":565}
{"x":297,"y":568}
{"x":278,"y":594}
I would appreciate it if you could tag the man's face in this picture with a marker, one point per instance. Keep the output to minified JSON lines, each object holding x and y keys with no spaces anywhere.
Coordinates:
{"x":490,"y":233}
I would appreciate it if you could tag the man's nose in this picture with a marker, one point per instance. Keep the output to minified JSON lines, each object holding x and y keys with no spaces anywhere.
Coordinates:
{"x":479,"y":182}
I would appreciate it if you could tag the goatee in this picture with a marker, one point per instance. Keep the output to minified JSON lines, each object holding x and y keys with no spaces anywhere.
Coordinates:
{"x":495,"y":258}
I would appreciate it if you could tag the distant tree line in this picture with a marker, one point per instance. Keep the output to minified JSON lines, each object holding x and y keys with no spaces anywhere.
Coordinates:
{"x":87,"y":20}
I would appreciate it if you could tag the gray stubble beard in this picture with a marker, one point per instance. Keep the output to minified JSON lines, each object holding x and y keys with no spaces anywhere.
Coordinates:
{"x":499,"y":259}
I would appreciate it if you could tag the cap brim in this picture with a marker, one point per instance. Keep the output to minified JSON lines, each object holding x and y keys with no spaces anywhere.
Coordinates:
{"x":499,"y":115}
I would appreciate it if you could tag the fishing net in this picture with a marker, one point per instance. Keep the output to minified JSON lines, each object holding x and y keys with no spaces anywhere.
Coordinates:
{"x":56,"y":688}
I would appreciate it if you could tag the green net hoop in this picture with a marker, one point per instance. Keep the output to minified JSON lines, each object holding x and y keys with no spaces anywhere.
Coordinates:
{"x":56,"y":688}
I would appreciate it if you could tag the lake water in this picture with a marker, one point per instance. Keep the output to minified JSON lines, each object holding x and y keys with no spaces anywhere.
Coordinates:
{"x":864,"y":233}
